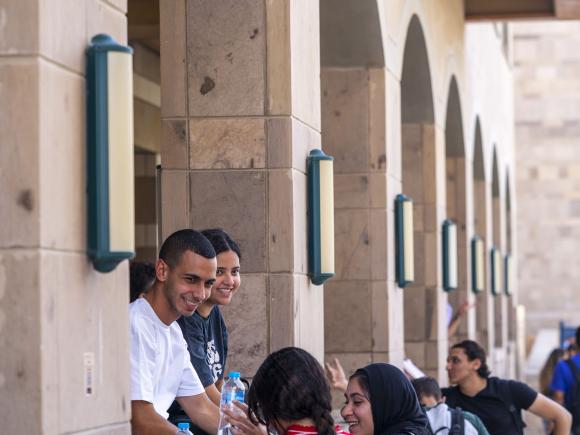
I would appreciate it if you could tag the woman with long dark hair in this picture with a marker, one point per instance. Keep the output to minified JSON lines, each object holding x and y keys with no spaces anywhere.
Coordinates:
{"x":380,"y":400}
{"x":290,"y":395}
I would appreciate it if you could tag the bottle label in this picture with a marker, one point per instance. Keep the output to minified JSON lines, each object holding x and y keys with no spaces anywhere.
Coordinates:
{"x":240,"y":395}
{"x":228,"y":396}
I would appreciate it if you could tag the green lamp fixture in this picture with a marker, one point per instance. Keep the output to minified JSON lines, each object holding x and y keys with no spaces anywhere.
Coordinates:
{"x":477,"y":264}
{"x":320,"y":216}
{"x":110,"y":212}
{"x":404,"y":241}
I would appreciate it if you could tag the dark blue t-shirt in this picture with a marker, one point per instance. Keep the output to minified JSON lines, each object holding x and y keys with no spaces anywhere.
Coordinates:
{"x":207,"y":343}
{"x":563,"y":379}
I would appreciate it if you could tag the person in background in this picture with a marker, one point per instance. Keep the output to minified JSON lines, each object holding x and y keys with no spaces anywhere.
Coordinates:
{"x":545,"y":378}
{"x":380,"y":400}
{"x":443,"y":419}
{"x":547,"y":371}
{"x":205,"y":331}
{"x":141,"y":278}
{"x":454,"y":318}
{"x":290,"y":395}
{"x":498,"y":402}
{"x":565,"y":385}
{"x":160,"y":367}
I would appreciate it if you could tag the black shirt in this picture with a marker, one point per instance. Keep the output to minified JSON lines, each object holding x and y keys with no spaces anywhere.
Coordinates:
{"x":491,"y":406}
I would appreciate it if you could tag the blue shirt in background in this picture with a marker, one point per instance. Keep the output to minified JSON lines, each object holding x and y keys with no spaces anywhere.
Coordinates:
{"x":563,"y":379}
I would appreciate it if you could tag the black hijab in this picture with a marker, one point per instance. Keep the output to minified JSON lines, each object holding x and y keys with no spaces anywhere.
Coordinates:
{"x":394,"y":404}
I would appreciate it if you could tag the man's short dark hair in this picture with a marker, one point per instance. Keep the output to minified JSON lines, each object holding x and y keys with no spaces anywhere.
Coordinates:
{"x":578,"y":336}
{"x":427,"y":386}
{"x":185,"y":240}
{"x":474,"y":351}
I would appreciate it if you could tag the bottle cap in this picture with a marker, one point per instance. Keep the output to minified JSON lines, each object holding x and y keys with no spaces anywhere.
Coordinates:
{"x":234,"y":374}
{"x":182,"y":426}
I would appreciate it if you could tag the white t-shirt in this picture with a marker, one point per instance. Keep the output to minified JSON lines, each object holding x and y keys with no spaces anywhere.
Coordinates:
{"x":160,"y":366}
{"x":440,"y":420}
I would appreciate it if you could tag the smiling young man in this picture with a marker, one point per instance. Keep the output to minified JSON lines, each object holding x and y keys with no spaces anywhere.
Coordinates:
{"x":497,"y":402}
{"x":161,"y":370}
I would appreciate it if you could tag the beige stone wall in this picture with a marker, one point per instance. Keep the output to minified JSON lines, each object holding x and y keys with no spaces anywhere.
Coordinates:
{"x":547,"y":80}
{"x":240,"y":112}
{"x":54,"y":307}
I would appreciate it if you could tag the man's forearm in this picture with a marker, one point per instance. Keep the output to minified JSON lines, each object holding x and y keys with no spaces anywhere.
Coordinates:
{"x":201,"y":411}
{"x":562,"y":424}
{"x":145,"y":421}
{"x":208,"y":419}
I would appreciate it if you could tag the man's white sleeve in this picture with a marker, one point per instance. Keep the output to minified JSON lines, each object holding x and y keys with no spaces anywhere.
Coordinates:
{"x":142,"y":360}
{"x":190,"y":384}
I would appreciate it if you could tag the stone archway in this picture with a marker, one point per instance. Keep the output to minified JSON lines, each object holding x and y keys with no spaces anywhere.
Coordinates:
{"x":424,"y":302}
{"x":456,"y":201}
{"x":353,"y":131}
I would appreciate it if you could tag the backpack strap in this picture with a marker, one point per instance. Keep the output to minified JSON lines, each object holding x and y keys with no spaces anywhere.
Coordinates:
{"x":506,"y":397}
{"x":573,"y":369}
{"x":457,"y":422}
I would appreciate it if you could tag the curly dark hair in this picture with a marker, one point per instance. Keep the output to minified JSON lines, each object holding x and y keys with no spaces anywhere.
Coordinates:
{"x":474,"y":351}
{"x":290,"y":385}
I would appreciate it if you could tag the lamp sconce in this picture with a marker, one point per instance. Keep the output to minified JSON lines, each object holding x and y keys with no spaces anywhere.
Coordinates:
{"x":449,"y":255}
{"x":404,"y":240}
{"x":320,"y":216}
{"x":496,"y":275}
{"x":110,"y":214}
{"x":508,"y":275}
{"x":477,"y":264}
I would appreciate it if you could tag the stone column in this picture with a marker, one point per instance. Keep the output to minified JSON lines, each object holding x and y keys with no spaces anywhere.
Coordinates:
{"x":240,"y":85}
{"x":424,"y":300}
{"x":63,"y":326}
{"x":458,"y":174}
{"x":353,"y":119}
{"x":484,"y":299}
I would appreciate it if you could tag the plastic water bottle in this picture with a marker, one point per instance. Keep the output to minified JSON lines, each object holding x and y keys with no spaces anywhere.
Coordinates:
{"x":183,"y":429}
{"x":233,"y":389}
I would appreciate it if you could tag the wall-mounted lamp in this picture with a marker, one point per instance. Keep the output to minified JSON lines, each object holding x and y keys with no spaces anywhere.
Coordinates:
{"x":477,"y":264}
{"x":320,"y":217}
{"x":449,"y":255}
{"x":496,"y":275}
{"x":110,"y":211}
{"x":508,"y":275}
{"x":404,"y":240}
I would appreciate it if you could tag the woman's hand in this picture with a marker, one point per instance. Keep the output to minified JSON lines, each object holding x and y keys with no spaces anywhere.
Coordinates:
{"x":335,"y":375}
{"x":241,"y":423}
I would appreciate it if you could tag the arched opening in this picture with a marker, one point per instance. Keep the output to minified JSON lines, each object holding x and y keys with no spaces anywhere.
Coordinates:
{"x":425,"y":334}
{"x":353,"y":132}
{"x":456,"y":198}
{"x":484,"y":301}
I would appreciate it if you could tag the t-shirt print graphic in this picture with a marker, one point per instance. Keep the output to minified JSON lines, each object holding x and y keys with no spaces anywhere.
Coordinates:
{"x":213,"y":360}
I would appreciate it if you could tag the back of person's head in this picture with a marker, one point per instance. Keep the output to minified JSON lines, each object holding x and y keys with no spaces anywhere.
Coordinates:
{"x":141,"y":277}
{"x":182,"y":241}
{"x":547,"y":371}
{"x":578,"y":336}
{"x":474,"y":351}
{"x":290,"y":385}
{"x":221,"y":241}
{"x":427,"y":387}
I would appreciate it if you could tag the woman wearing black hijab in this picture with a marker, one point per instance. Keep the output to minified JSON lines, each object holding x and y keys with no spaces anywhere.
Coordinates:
{"x":380,"y":400}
